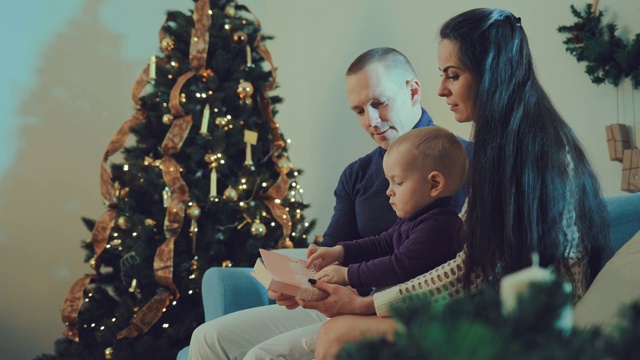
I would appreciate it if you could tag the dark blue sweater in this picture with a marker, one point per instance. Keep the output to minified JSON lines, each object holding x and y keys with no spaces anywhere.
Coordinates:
{"x":362,"y":206}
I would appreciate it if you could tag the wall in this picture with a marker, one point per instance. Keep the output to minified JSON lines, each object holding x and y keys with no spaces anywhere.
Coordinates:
{"x":67,"y":82}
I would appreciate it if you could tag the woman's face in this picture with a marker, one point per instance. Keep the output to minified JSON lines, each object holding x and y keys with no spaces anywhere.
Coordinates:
{"x":457,"y":82}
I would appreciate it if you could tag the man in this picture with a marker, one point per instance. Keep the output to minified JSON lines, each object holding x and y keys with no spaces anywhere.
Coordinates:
{"x":384,"y":93}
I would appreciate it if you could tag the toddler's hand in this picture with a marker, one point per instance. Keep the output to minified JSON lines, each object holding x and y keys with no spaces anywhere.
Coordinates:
{"x":320,"y":257}
{"x":334,"y":274}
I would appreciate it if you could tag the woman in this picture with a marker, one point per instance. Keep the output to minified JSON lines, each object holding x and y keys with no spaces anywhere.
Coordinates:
{"x":531,"y":186}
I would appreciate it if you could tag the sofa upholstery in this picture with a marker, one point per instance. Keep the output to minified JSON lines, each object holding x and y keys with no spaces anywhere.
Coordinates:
{"x":226,"y":290}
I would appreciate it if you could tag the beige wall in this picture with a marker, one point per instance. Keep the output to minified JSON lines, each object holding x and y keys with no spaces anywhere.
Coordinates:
{"x":80,"y":96}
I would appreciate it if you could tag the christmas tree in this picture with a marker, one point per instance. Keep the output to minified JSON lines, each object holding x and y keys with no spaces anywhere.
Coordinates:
{"x":207,"y":183}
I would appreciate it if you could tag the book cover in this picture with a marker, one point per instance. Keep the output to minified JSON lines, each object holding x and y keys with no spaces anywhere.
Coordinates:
{"x":287,"y":275}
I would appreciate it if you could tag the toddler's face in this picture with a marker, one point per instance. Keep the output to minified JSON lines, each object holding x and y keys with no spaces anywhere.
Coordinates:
{"x":408,"y":183}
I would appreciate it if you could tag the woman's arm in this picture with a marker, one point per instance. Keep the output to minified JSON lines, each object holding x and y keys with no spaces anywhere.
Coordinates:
{"x":443,"y":282}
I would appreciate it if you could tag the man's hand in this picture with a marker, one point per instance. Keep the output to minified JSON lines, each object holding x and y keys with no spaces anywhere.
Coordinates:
{"x":334,"y":274}
{"x":320,"y":257}
{"x":282,"y":299}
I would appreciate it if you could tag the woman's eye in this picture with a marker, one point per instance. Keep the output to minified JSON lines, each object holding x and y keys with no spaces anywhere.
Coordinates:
{"x":453,"y":77}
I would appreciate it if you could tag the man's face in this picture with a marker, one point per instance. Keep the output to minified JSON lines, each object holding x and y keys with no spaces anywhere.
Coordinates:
{"x":383,"y":104}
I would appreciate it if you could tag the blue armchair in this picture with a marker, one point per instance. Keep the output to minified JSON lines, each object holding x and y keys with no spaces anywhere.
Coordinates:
{"x":226,"y":290}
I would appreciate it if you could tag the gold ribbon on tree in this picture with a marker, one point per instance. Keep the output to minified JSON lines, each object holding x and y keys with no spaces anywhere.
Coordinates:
{"x":102,"y":229}
{"x":174,"y":219}
{"x":273,"y":197}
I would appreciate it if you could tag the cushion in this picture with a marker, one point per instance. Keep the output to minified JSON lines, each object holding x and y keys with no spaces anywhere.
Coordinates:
{"x":617,"y":285}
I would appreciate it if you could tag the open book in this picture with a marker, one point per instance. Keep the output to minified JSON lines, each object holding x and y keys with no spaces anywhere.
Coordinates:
{"x":287,"y":275}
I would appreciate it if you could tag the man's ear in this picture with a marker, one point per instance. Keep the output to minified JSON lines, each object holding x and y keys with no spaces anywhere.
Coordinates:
{"x":436,"y":183}
{"x":415,"y":91}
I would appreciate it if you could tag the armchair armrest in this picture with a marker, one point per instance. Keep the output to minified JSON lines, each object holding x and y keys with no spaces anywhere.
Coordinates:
{"x":226,"y":290}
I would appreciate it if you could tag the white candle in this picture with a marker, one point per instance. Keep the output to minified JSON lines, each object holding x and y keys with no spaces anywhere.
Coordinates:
{"x":213,"y":187}
{"x":248,"y":56}
{"x":205,"y":120}
{"x":517,"y":283}
{"x":152,"y":67}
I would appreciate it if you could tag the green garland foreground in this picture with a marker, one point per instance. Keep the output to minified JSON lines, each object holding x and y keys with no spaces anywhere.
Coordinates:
{"x":608,"y":57}
{"x":474,"y":327}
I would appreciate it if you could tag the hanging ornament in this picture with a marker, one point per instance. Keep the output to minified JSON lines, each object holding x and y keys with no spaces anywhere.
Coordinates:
{"x":222,"y":121}
{"x":152,"y":67}
{"x":288,"y":244}
{"x":249,"y":63}
{"x":167,"y":44}
{"x":194,"y":268}
{"x":230,"y":194}
{"x":149,"y":222}
{"x":227,"y":264}
{"x":245,"y":89}
{"x":240,"y":38}
{"x":258,"y":229}
{"x":205,"y":121}
{"x":93,"y":262}
{"x":167,"y":119}
{"x":251,"y":138}
{"x":166,"y":196}
{"x":318,"y":239}
{"x":211,"y":159}
{"x":134,"y":286}
{"x":123,"y":222}
{"x":284,"y":163}
{"x":108,"y":353}
{"x":148,"y":160}
{"x":207,"y":73}
{"x":194,"y":213}
{"x":230,"y":10}
{"x":245,"y":103}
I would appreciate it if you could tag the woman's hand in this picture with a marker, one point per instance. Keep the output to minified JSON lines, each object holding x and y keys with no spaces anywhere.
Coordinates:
{"x":342,"y":300}
{"x":282,"y":299}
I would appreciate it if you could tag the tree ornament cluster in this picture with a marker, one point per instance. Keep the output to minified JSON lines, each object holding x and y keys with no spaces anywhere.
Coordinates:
{"x":608,"y":58}
{"x":204,"y":185}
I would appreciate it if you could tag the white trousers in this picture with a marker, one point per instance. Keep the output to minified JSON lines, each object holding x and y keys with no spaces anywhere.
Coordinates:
{"x":266,"y":332}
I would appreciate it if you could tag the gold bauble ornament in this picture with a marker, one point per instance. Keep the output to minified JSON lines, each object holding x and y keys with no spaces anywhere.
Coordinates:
{"x":230,"y":194}
{"x":194,"y":211}
{"x":227,"y":264}
{"x":167,"y":119}
{"x":167,"y":44}
{"x":240,"y":38}
{"x":246,"y":102}
{"x":123,"y":222}
{"x":108,"y":353}
{"x":222,"y":121}
{"x":149,"y":222}
{"x":258,"y":229}
{"x":285,"y":164}
{"x":245,"y":89}
{"x":230,"y":11}
{"x":93,"y":262}
{"x":288,"y":244}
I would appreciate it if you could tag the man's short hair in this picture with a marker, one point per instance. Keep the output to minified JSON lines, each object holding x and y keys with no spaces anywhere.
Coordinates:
{"x":392,"y":59}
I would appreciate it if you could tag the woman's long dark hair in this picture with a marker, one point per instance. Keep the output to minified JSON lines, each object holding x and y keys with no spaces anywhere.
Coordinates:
{"x":521,"y":182}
